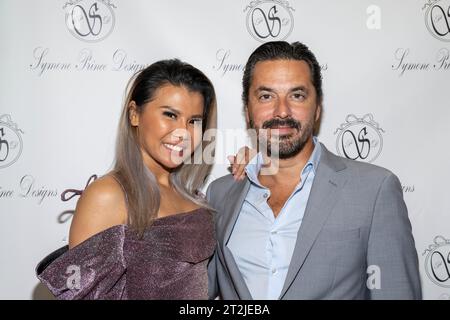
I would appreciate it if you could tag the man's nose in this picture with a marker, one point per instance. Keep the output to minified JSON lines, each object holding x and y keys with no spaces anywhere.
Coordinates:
{"x":282,"y":108}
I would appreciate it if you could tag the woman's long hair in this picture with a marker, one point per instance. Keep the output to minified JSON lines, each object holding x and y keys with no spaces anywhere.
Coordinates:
{"x":139,"y":184}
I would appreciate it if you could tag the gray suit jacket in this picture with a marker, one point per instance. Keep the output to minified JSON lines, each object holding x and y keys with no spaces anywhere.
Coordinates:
{"x":355,"y":218}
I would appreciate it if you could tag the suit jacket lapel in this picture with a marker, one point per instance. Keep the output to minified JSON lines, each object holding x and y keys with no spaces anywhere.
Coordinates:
{"x":234,"y":200}
{"x":324,"y":192}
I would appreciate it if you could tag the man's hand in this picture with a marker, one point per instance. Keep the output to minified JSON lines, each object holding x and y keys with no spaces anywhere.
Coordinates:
{"x":240,"y":161}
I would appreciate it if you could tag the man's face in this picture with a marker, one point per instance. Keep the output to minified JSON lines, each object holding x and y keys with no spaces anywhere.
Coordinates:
{"x":283,"y":100}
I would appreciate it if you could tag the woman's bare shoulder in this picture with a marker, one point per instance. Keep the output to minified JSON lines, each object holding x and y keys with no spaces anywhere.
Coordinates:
{"x":102,"y":205}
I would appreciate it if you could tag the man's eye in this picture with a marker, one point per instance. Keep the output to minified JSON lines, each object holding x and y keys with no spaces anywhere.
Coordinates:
{"x":264,"y":97}
{"x":298,"y":96}
{"x":170,"y":114}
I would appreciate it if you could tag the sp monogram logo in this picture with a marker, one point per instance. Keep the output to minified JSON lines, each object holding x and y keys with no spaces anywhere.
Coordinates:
{"x":437,"y":18}
{"x":269,"y":20}
{"x":359,"y":138}
{"x":437,"y":261}
{"x":10,"y":141}
{"x":90,"y":20}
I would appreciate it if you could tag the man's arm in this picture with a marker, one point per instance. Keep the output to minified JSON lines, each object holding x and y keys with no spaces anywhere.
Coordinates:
{"x":391,"y":246}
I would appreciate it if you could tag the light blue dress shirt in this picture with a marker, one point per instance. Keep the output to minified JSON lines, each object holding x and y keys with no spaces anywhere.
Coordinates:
{"x":261,"y":244}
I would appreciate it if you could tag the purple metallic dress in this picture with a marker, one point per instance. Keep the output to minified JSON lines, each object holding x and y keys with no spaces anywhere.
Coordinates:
{"x":168,"y":262}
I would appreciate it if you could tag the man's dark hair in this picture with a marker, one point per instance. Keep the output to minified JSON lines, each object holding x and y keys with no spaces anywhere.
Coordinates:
{"x":282,"y":50}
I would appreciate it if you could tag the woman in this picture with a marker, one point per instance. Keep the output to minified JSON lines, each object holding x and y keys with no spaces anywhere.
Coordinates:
{"x":142,"y":231}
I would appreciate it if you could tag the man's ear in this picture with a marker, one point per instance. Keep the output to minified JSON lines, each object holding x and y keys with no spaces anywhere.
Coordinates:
{"x":247,"y":117}
{"x":318,"y":112}
{"x":133,"y":114}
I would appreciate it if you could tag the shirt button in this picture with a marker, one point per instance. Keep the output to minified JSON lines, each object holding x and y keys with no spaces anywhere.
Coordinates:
{"x":274,"y":271}
{"x":274,"y":232}
{"x":266,"y":195}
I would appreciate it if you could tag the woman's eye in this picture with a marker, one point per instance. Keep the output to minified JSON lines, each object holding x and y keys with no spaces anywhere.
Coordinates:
{"x":170,"y":114}
{"x":196,"y":121}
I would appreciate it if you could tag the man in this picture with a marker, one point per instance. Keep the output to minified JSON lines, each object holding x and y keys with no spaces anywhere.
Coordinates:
{"x":322,"y":227}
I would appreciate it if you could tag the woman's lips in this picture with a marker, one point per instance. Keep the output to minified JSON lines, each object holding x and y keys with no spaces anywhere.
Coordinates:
{"x":174,"y":149}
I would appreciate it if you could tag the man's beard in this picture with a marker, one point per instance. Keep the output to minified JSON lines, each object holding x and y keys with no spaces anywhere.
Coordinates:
{"x":288,"y":145}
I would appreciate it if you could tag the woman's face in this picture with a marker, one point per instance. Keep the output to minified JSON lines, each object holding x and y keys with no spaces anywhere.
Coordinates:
{"x":169,"y":127}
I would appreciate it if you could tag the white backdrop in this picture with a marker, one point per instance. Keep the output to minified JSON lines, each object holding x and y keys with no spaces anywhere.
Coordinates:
{"x":64,"y":66}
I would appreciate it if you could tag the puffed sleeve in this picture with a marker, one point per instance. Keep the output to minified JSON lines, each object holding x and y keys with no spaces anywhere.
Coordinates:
{"x":94,"y":269}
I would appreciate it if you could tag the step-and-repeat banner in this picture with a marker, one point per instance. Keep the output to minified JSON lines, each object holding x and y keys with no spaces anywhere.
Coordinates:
{"x":65,"y":64}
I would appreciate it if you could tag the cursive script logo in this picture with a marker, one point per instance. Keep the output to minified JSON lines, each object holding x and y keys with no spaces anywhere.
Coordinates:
{"x":90,"y":20}
{"x":437,"y":261}
{"x":359,"y":138}
{"x":437,"y":18}
{"x":31,"y":190}
{"x":269,"y":20}
{"x":69,"y":194}
{"x":10,"y":141}
{"x":223,"y":64}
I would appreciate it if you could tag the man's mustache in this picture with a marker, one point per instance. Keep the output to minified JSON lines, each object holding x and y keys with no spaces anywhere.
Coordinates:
{"x":277,"y":122}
